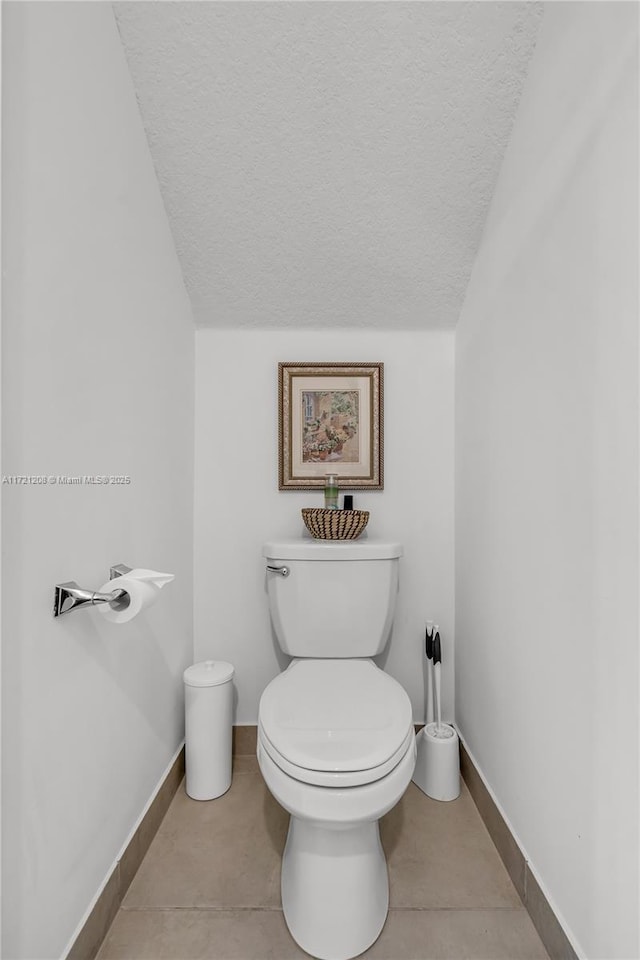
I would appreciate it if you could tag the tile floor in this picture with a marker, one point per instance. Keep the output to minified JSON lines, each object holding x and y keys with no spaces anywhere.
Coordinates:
{"x":209,"y":886}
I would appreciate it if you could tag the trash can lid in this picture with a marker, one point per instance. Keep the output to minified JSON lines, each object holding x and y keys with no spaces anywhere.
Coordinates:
{"x":209,"y":673}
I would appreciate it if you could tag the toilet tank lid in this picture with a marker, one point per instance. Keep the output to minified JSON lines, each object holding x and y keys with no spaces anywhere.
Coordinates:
{"x":309,"y":549}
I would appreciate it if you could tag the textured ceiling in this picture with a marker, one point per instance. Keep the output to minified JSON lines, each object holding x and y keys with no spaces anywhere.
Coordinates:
{"x":327,"y":163}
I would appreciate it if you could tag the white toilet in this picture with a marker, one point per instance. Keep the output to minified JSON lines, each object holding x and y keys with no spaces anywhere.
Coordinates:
{"x":336,"y":742}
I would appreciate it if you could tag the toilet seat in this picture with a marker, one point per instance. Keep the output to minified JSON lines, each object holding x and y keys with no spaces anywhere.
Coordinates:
{"x":335,"y":723}
{"x":324,"y":778}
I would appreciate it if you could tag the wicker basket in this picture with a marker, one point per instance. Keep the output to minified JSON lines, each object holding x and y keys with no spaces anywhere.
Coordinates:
{"x":335,"y":524}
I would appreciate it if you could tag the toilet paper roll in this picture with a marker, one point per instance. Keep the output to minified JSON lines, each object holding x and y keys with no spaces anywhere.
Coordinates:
{"x":142,"y":588}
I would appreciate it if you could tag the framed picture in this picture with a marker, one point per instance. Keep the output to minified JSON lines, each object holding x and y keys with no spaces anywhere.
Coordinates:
{"x":330,"y":421}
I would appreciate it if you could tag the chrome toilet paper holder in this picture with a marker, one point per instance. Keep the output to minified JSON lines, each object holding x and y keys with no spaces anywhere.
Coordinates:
{"x":70,"y":596}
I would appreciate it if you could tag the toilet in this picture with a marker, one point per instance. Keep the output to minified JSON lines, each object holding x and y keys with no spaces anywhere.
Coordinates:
{"x":336,"y":743}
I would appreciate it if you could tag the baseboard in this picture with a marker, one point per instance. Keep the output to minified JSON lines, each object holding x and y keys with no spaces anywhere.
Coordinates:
{"x":88,"y":940}
{"x":550,"y":930}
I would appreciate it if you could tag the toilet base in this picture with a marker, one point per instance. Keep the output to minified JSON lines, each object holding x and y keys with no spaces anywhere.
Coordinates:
{"x":335,"y":888}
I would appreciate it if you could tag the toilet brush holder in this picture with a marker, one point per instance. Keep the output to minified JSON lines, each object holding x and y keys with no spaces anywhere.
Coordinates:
{"x":437,"y":770}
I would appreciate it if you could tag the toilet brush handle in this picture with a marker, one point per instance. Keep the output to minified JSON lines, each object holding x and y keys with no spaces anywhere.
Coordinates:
{"x":437,"y":649}
{"x":428,"y":640}
{"x":429,"y":694}
{"x":437,"y":660}
{"x":436,"y":670}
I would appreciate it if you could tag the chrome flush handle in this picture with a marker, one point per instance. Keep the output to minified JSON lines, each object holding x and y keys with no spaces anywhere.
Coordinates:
{"x":283,"y":571}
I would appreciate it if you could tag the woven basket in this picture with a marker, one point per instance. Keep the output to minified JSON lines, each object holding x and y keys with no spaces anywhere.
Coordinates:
{"x":335,"y":524}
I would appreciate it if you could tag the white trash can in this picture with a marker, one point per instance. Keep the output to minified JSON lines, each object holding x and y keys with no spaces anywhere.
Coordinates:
{"x":208,"y":706}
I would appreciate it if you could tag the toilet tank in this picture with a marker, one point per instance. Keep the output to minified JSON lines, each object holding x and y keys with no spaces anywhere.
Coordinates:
{"x":338,"y":598}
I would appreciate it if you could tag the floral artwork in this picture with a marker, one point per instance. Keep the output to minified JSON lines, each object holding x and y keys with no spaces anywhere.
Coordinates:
{"x":330,"y":415}
{"x":330,"y":426}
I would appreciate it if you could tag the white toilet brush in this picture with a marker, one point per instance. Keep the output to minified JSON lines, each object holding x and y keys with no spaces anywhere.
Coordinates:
{"x":437,"y":661}
{"x":437,"y":770}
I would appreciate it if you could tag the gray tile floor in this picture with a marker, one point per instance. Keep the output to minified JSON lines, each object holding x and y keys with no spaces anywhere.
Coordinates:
{"x":209,"y":887}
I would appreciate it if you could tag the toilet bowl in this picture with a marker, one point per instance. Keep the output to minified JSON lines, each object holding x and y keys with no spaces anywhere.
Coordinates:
{"x":336,"y":748}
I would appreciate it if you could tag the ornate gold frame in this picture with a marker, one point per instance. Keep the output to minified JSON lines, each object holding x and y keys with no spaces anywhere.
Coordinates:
{"x":296,"y":473}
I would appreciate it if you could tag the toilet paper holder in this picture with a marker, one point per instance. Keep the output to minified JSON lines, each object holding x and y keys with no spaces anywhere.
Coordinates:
{"x":70,"y":596}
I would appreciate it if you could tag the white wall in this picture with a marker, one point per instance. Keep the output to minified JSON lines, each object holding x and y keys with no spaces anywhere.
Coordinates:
{"x":547,"y":479}
{"x":238,"y":505}
{"x":98,"y":379}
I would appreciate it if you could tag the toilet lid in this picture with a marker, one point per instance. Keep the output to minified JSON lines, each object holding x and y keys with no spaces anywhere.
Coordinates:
{"x":335,"y":715}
